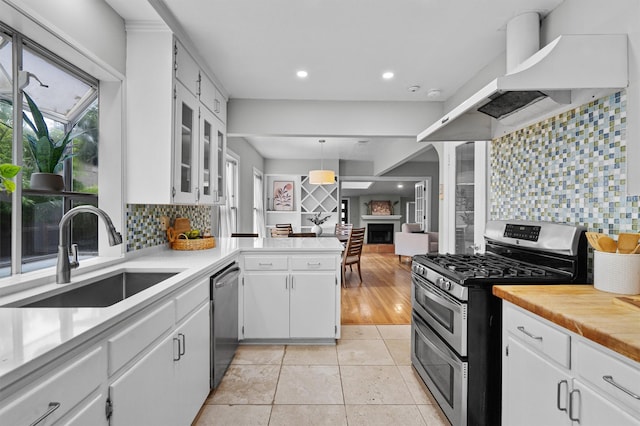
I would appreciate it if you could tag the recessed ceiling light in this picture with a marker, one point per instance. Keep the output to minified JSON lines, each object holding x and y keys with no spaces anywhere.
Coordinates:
{"x":433,"y":93}
{"x":388,"y":75}
{"x":302,"y":74}
{"x":400,"y":185}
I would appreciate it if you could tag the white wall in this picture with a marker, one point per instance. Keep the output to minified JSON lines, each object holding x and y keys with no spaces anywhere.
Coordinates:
{"x":87,"y":33}
{"x":249,"y":158}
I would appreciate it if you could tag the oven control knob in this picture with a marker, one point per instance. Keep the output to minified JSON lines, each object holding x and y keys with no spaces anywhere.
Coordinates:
{"x":447,"y":285}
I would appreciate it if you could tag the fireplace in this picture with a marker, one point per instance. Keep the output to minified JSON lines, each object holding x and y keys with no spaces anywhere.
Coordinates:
{"x":380,"y":233}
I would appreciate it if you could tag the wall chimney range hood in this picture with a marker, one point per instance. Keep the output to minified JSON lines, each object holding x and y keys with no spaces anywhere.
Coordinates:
{"x":539,"y":85}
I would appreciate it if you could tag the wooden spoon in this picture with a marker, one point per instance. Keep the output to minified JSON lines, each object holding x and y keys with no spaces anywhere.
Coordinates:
{"x":608,"y":244}
{"x":593,"y":237}
{"x":636,"y":250}
{"x":627,"y":242}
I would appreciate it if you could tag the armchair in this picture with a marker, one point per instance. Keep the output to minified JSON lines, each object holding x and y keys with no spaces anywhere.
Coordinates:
{"x":411,"y":241}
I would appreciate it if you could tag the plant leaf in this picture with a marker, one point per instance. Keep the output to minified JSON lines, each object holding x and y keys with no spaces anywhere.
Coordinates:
{"x":9,"y":170}
{"x":9,"y":185}
{"x":41,"y":128}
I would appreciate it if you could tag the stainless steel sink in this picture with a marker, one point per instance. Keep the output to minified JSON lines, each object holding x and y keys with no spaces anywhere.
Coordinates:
{"x":104,"y":292}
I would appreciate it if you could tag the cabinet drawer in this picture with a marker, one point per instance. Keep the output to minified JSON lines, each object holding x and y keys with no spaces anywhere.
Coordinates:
{"x":617,"y":378}
{"x":190,"y":299}
{"x":542,"y":337}
{"x":265,"y":263}
{"x":130,"y":342}
{"x":68,"y":386}
{"x":313,"y":263}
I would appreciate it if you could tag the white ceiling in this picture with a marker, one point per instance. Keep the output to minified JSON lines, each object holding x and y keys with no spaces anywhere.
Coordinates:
{"x":255,"y":48}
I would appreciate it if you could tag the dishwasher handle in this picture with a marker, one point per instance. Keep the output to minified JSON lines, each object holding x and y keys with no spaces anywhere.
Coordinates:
{"x":226,"y":277}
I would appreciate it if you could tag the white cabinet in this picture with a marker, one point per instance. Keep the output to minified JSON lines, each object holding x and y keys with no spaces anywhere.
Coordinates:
{"x":553,"y":377}
{"x":192,"y":367}
{"x":290,"y":297}
{"x":144,"y":395}
{"x":171,"y":128}
{"x":58,"y":392}
{"x":266,"y":305}
{"x":169,"y":383}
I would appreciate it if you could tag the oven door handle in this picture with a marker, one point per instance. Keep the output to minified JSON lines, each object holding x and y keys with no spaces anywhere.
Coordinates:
{"x":431,"y":294}
{"x":443,"y":351}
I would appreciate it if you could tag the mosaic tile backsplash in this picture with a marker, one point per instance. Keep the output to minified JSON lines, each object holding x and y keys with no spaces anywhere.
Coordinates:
{"x":569,"y":168}
{"x":143,"y":222}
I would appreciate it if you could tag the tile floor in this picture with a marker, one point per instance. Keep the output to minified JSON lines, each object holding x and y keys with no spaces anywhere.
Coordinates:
{"x":366,"y":379}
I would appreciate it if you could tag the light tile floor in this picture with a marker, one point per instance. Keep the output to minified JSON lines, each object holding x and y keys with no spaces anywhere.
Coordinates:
{"x":366,"y":379}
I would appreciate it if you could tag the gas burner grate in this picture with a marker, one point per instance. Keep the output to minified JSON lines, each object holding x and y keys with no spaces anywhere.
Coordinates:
{"x":468,"y":266}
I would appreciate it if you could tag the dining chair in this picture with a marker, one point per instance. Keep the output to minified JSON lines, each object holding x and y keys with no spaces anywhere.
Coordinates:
{"x":302,"y":235}
{"x":353,"y":252}
{"x":280,"y":232}
{"x":343,"y":230}
{"x":244,"y":234}
{"x":285,"y":226}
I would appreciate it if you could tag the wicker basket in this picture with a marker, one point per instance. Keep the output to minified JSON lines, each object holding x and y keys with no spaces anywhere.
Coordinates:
{"x":178,"y":243}
{"x":193,"y":244}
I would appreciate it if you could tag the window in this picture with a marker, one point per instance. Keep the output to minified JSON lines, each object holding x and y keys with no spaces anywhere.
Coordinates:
{"x":229,"y":212}
{"x":258,"y":204}
{"x":68,"y":100}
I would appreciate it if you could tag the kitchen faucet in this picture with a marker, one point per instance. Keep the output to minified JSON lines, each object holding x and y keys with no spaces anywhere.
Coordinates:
{"x":64,"y":266}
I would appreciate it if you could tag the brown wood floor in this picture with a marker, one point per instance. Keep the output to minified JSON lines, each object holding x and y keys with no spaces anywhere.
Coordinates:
{"x":384,"y":297}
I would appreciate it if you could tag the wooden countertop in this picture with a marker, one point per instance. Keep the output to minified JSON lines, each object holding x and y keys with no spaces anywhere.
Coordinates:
{"x":582,"y":309}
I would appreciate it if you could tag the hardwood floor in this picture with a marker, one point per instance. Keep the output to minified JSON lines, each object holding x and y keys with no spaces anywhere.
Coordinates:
{"x":384,"y":297}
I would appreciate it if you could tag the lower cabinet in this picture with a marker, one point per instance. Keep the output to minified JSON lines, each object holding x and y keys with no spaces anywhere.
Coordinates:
{"x":290,"y":297}
{"x":168,"y":385}
{"x":554,"y":377}
{"x":144,"y":395}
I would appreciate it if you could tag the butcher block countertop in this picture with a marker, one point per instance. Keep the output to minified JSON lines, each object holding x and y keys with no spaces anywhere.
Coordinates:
{"x":597,"y":315}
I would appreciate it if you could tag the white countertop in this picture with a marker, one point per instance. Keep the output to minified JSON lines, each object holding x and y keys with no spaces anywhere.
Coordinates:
{"x":32,"y":337}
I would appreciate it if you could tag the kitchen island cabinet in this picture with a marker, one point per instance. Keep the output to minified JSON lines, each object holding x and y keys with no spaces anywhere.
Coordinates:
{"x":290,"y":297}
{"x":555,"y":376}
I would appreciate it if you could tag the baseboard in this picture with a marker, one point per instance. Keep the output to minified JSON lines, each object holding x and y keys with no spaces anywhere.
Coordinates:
{"x":379,"y":248}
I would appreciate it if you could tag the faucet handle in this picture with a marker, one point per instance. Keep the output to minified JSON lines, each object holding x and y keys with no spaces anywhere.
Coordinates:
{"x":73,"y":263}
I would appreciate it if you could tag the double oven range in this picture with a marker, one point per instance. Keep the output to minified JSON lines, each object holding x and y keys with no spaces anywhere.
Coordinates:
{"x":456,"y":321}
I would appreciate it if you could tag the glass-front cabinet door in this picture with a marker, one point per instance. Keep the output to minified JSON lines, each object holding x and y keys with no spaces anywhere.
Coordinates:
{"x":221,"y":154}
{"x":207,"y":157}
{"x":185,"y":150}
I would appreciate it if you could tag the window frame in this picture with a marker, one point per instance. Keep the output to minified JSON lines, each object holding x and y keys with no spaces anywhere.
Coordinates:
{"x":20,"y":42}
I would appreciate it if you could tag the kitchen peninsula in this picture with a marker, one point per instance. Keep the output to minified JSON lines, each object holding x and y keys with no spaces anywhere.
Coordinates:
{"x":157,"y":339}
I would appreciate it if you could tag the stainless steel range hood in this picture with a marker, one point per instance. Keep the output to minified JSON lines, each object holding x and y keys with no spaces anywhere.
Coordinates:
{"x":540,"y":84}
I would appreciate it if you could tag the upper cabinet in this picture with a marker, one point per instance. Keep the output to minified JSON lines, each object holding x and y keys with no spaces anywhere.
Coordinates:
{"x":176,"y":132}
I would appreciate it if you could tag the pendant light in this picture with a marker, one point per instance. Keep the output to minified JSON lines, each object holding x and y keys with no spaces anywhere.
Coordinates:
{"x":322,"y":177}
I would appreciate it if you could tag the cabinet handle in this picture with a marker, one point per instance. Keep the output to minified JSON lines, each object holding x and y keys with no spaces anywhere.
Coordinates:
{"x":184,"y":343}
{"x":265,"y":264}
{"x":292,"y":282}
{"x":575,"y":419}
{"x":609,"y":379}
{"x":286,"y":283}
{"x":558,"y":395}
{"x":533,"y":336}
{"x":53,"y":406}
{"x":313,"y":263}
{"x":175,"y":339}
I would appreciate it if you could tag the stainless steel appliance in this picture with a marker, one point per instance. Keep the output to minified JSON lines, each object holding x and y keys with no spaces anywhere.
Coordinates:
{"x":456,"y":322}
{"x":224,"y":320}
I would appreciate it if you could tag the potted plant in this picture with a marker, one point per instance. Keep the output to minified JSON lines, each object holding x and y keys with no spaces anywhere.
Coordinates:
{"x":8,"y":172}
{"x":49,"y":155}
{"x":317,"y":220}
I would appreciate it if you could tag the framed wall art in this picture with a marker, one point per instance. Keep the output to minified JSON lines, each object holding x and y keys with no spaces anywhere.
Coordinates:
{"x":380,"y":208}
{"x":283,"y":195}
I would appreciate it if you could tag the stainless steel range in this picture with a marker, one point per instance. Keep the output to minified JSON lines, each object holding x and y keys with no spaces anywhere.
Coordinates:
{"x":456,"y":326}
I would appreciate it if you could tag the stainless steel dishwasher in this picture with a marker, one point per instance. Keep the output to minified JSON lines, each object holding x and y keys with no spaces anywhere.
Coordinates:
{"x":224,"y":320}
